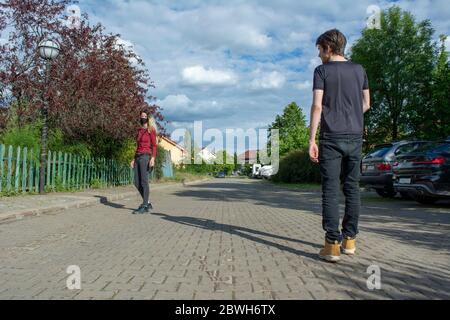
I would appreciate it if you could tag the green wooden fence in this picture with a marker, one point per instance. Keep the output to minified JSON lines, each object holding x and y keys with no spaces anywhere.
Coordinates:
{"x":19,"y":171}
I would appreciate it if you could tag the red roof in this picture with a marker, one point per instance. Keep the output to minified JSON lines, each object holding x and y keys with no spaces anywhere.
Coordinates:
{"x":249,"y":155}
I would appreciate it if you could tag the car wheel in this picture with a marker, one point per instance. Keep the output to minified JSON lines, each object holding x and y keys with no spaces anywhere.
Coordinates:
{"x":425,"y":199}
{"x":405,"y":195}
{"x":386,"y":194}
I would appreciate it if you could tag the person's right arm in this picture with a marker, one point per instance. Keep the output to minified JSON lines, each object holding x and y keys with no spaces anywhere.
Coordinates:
{"x":366,"y":100}
{"x":316,"y":113}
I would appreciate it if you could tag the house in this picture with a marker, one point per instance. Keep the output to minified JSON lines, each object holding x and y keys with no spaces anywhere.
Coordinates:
{"x":177,"y":152}
{"x":249,"y":156}
{"x":207,"y":155}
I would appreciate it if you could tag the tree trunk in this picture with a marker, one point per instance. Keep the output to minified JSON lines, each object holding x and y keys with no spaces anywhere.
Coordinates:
{"x":395,"y":128}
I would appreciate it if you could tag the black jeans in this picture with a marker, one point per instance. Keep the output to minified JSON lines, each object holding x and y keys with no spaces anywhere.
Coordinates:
{"x":141,"y":173}
{"x":340,"y":153}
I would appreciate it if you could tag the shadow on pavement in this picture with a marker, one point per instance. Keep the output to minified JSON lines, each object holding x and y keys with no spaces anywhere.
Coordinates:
{"x":401,"y":281}
{"x":104,"y":201}
{"x":243,"y":232}
{"x":257,"y":193}
{"x":404,"y":221}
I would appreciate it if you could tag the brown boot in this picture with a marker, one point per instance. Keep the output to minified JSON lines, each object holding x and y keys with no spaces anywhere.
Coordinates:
{"x":331,"y":252}
{"x":348,"y":246}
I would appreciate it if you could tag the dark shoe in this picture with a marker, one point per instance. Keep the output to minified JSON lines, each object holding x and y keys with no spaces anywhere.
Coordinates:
{"x":138,"y":211}
{"x":148,"y":207}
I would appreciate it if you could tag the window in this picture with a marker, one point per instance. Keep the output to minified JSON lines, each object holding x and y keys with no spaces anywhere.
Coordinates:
{"x":409,"y":147}
{"x":436,"y":147}
{"x":379,"y":151}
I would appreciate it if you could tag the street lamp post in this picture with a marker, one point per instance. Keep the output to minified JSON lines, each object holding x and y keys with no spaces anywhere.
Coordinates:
{"x":48,"y":50}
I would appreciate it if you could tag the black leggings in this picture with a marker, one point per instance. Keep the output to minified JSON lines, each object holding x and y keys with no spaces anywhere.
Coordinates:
{"x":141,"y":173}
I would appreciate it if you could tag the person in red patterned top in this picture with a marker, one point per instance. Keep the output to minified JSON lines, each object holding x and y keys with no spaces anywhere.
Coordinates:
{"x":144,"y":159}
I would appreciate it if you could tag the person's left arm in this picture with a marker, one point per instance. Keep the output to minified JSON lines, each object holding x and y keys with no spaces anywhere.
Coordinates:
{"x":154,"y":148}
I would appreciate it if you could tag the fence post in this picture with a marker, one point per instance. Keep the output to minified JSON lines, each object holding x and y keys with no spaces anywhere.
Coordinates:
{"x":108,"y":173}
{"x":10,"y":158}
{"x":49,"y":161}
{"x":85,"y":172}
{"x":2,"y":166}
{"x":89,"y":172}
{"x":94,"y":172}
{"x":60,"y":167}
{"x":24,"y":169}
{"x":64,"y":169}
{"x":54,"y":171}
{"x":103,"y":172}
{"x":17,"y":170}
{"x":77,"y":172}
{"x":38,"y":174}
{"x":70,"y":169}
{"x":30,"y":171}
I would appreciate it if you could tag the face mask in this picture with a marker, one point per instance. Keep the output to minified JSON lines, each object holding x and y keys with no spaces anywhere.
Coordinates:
{"x":144,"y":121}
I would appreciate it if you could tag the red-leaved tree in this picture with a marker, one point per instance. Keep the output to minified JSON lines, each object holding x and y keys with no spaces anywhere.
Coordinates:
{"x":96,"y":85}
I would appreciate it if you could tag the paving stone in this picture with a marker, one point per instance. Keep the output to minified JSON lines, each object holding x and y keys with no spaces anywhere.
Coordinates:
{"x":229,"y":239}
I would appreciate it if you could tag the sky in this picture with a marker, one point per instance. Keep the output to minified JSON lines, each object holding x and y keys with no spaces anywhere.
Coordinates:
{"x":237,"y":64}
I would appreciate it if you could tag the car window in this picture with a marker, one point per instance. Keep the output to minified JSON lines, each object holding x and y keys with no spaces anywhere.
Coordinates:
{"x":435,"y":147}
{"x":379,"y":151}
{"x":444,"y":147}
{"x":407,"y":148}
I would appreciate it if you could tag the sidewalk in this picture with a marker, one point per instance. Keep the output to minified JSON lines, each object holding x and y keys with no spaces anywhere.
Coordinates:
{"x":19,"y":207}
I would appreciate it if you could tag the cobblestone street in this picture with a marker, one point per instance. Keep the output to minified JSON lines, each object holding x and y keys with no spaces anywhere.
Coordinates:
{"x":225,"y":239}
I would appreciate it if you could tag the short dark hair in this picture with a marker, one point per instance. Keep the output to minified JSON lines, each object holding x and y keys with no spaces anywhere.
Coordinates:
{"x":334,"y":39}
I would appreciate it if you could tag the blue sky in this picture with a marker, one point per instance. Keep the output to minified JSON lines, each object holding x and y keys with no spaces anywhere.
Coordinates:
{"x":236,"y":64}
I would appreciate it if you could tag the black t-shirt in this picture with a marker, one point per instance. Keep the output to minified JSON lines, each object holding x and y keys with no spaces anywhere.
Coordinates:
{"x":343,"y":83}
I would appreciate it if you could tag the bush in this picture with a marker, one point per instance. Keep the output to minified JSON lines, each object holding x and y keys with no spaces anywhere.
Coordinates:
{"x":57,"y":143}
{"x":126,"y":151}
{"x":27,"y":136}
{"x":30,"y":136}
{"x":159,"y":161}
{"x":296,"y":167}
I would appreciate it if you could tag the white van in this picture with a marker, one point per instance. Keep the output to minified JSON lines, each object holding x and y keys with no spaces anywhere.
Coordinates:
{"x":266,"y":172}
{"x":255,"y":170}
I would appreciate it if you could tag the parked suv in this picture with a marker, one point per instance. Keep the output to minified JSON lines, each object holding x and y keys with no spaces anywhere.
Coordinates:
{"x":376,"y":166}
{"x":425,"y":173}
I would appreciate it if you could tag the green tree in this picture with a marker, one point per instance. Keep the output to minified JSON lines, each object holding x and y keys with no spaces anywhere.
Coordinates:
{"x":436,"y":123}
{"x":235,"y":161}
{"x":293,"y":132}
{"x":399,"y":59}
{"x":227,"y":164}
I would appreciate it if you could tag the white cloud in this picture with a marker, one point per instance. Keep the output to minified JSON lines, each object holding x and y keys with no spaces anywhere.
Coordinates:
{"x":180,"y":108}
{"x":272,"y":80}
{"x":234,"y":38}
{"x":199,"y":76}
{"x":253,"y":38}
{"x":129,"y":47}
{"x":305,"y":85}
{"x":176,"y":101}
{"x":299,"y":37}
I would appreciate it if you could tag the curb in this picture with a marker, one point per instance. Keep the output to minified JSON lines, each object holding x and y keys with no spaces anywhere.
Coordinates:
{"x":52,"y":210}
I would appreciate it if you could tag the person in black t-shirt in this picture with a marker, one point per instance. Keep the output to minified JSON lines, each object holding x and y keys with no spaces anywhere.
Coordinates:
{"x":341,"y":97}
